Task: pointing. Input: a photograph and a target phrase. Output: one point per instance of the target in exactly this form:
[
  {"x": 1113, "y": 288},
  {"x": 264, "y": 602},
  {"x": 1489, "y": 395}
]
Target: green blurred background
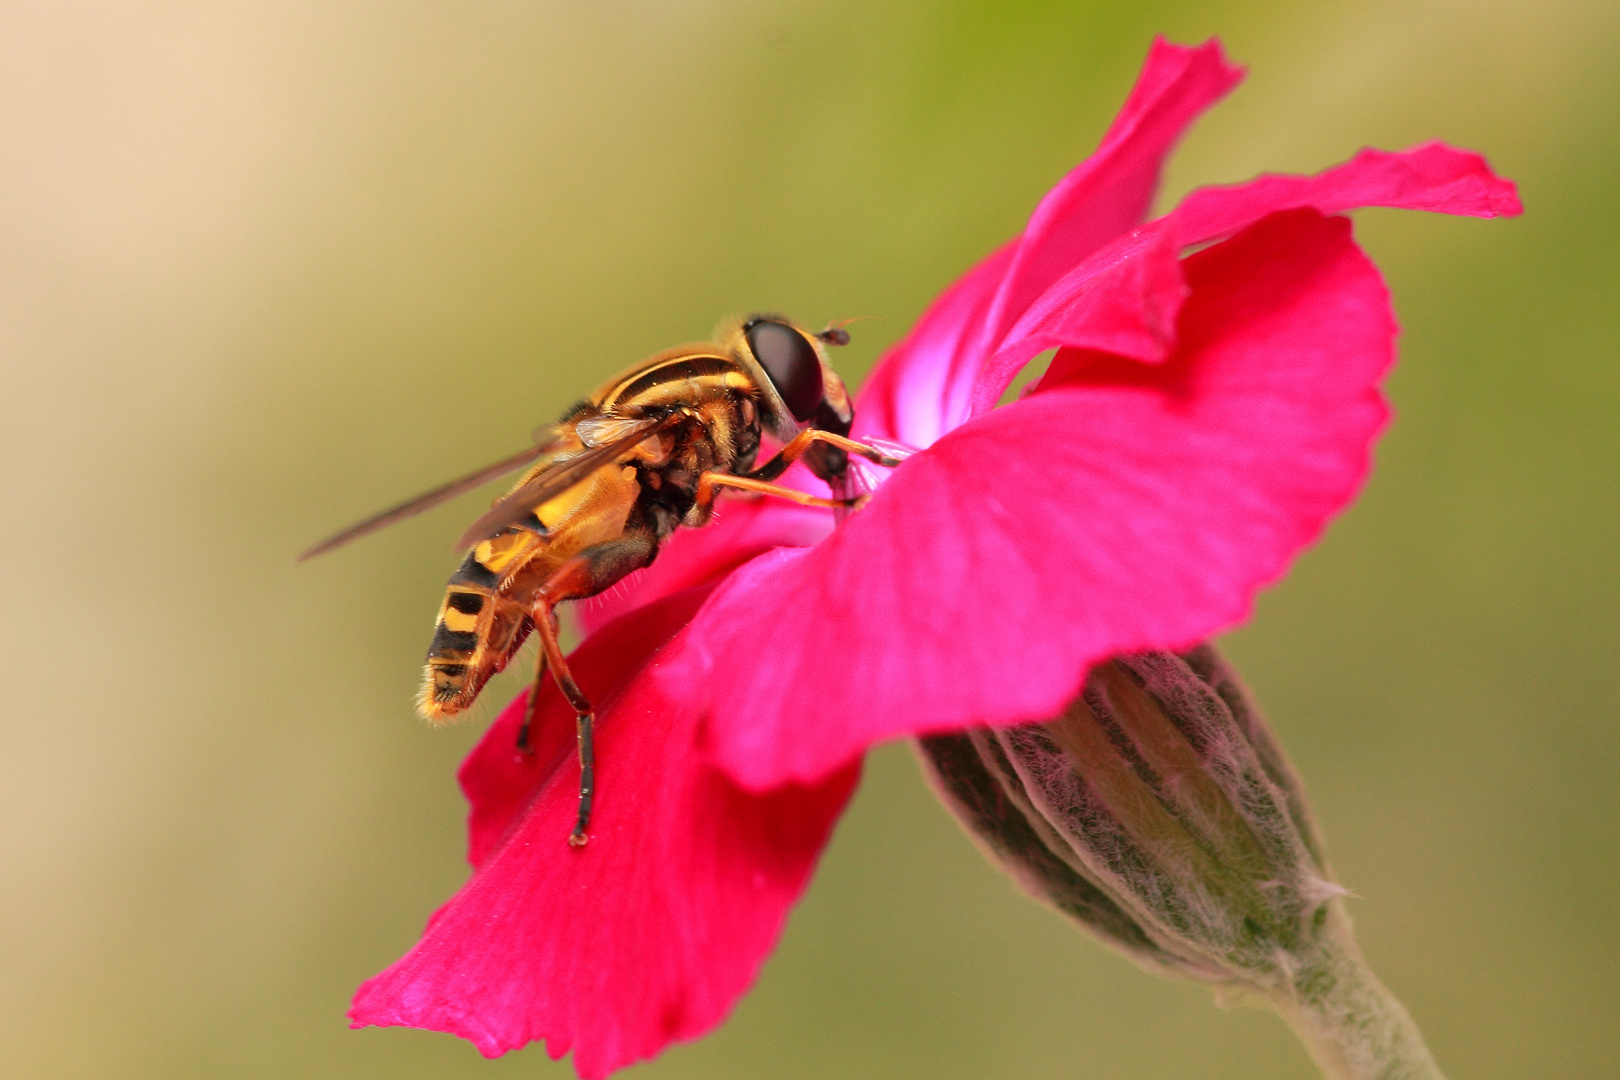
[{"x": 267, "y": 266}]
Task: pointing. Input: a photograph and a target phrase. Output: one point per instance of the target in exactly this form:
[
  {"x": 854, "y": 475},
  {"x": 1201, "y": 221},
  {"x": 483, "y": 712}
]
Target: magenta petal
[
  {"x": 1110, "y": 192},
  {"x": 1433, "y": 176},
  {"x": 691, "y": 557},
  {"x": 651, "y": 932},
  {"x": 1134, "y": 507},
  {"x": 925, "y": 385},
  {"x": 1122, "y": 300}
]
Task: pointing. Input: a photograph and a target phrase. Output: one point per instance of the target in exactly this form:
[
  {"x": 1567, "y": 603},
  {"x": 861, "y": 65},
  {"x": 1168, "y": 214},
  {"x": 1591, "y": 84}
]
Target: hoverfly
[{"x": 646, "y": 453}]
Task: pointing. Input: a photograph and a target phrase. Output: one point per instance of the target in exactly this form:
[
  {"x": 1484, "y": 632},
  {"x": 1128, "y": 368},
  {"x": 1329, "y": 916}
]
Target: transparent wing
[
  {"x": 428, "y": 500},
  {"x": 596, "y": 430},
  {"x": 550, "y": 483}
]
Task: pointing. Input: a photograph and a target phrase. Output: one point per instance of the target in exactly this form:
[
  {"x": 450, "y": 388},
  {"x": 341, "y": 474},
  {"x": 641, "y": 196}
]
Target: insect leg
[
  {"x": 710, "y": 480},
  {"x": 804, "y": 440},
  {"x": 586, "y": 574},
  {"x": 583, "y": 716},
  {"x": 534, "y": 703}
]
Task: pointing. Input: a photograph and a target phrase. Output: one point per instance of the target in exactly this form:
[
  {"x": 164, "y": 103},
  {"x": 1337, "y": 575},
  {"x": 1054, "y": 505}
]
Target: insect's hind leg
[
  {"x": 523, "y": 744},
  {"x": 586, "y": 574}
]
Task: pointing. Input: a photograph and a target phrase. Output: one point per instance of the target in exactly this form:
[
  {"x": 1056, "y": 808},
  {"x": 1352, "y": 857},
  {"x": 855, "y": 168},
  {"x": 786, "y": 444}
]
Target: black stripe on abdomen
[
  {"x": 446, "y": 640},
  {"x": 473, "y": 572}
]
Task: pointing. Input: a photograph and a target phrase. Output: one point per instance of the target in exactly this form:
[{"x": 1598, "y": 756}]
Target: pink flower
[{"x": 1212, "y": 403}]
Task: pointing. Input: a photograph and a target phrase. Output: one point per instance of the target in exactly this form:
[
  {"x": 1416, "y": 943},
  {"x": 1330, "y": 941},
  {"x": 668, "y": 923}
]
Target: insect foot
[
  {"x": 1160, "y": 813},
  {"x": 587, "y": 779}
]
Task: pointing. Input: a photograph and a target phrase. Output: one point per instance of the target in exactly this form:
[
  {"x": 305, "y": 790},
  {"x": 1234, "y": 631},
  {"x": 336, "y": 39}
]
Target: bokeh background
[{"x": 265, "y": 267}]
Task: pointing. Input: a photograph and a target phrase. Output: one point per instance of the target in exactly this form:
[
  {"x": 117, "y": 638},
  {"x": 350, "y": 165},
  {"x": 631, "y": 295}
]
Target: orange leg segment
[
  {"x": 586, "y": 574},
  {"x": 804, "y": 440},
  {"x": 709, "y": 481},
  {"x": 760, "y": 479}
]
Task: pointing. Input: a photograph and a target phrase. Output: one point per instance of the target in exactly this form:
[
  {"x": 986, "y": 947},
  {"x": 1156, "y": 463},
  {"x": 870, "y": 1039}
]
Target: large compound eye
[{"x": 792, "y": 363}]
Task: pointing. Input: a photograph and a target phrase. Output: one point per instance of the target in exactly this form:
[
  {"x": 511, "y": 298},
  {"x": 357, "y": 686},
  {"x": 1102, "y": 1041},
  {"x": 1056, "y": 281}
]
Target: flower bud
[{"x": 1160, "y": 813}]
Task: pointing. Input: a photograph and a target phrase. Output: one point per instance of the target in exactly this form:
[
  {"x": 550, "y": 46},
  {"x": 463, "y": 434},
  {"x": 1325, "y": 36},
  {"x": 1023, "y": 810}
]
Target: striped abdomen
[
  {"x": 478, "y": 628},
  {"x": 485, "y": 614}
]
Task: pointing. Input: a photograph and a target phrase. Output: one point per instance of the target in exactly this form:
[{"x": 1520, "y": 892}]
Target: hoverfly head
[{"x": 794, "y": 362}]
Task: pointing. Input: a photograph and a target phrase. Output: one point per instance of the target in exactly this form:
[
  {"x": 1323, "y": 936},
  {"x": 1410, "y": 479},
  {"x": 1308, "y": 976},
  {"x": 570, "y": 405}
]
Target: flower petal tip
[{"x": 1209, "y": 54}]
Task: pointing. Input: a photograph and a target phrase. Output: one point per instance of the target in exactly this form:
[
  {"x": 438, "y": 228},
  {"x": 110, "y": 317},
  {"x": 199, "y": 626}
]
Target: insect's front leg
[
  {"x": 760, "y": 479},
  {"x": 804, "y": 440},
  {"x": 586, "y": 574},
  {"x": 709, "y": 483}
]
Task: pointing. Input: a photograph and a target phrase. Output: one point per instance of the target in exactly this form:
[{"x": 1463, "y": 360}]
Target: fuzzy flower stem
[
  {"x": 1160, "y": 813},
  {"x": 1350, "y": 1023}
]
